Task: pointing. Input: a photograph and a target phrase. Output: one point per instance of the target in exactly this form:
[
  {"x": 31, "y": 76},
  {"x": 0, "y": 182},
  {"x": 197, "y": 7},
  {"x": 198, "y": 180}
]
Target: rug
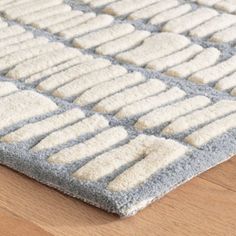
[{"x": 117, "y": 103}]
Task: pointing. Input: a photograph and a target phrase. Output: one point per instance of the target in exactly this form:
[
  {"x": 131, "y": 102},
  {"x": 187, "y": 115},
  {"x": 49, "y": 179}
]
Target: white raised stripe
[
  {"x": 17, "y": 57},
  {"x": 7, "y": 88},
  {"x": 123, "y": 43},
  {"x": 228, "y": 5},
  {"x": 42, "y": 62},
  {"x": 3, "y": 25},
  {"x": 165, "y": 114},
  {"x": 200, "y": 117},
  {"x": 175, "y": 58},
  {"x": 87, "y": 81},
  {"x": 112, "y": 160},
  {"x": 29, "y": 7},
  {"x": 100, "y": 3},
  {"x": 227, "y": 83},
  {"x": 130, "y": 95},
  {"x": 74, "y": 72},
  {"x": 206, "y": 58},
  {"x": 98, "y": 143},
  {"x": 39, "y": 15},
  {"x": 53, "y": 20},
  {"x": 95, "y": 23},
  {"x": 150, "y": 103},
  {"x": 44, "y": 126},
  {"x": 58, "y": 68},
  {"x": 190, "y": 20},
  {"x": 224, "y": 36},
  {"x": 211, "y": 131},
  {"x": 12, "y": 3},
  {"x": 16, "y": 39},
  {"x": 109, "y": 87},
  {"x": 23, "y": 105},
  {"x": 170, "y": 14},
  {"x": 5, "y": 2},
  {"x": 24, "y": 45},
  {"x": 11, "y": 31},
  {"x": 71, "y": 22},
  {"x": 154, "y": 47},
  {"x": 233, "y": 92},
  {"x": 213, "y": 25},
  {"x": 88, "y": 125},
  {"x": 154, "y": 9},
  {"x": 104, "y": 35},
  {"x": 207, "y": 2},
  {"x": 127, "y": 6},
  {"x": 162, "y": 153},
  {"x": 215, "y": 72}
]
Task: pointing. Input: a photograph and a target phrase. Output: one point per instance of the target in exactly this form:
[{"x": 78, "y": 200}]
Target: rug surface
[{"x": 113, "y": 102}]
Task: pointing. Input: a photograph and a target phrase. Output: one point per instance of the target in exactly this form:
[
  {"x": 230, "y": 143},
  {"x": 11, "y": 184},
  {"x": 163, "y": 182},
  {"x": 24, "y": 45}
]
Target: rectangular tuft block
[
  {"x": 190, "y": 20},
  {"x": 98, "y": 143},
  {"x": 48, "y": 12},
  {"x": 72, "y": 73},
  {"x": 102, "y": 36},
  {"x": 162, "y": 153},
  {"x": 170, "y": 14},
  {"x": 227, "y": 5},
  {"x": 23, "y": 45},
  {"x": 127, "y": 6},
  {"x": 56, "y": 20},
  {"x": 216, "y": 72},
  {"x": 175, "y": 58},
  {"x": 150, "y": 103},
  {"x": 16, "y": 39},
  {"x": 58, "y": 68},
  {"x": 42, "y": 62},
  {"x": 88, "y": 125},
  {"x": 5, "y": 2},
  {"x": 207, "y": 2},
  {"x": 111, "y": 161},
  {"x": 130, "y": 95},
  {"x": 78, "y": 18},
  {"x": 153, "y": 9},
  {"x": 44, "y": 126},
  {"x": 123, "y": 43},
  {"x": 11, "y": 31},
  {"x": 20, "y": 56},
  {"x": 95, "y": 23},
  {"x": 7, "y": 88},
  {"x": 12, "y": 4},
  {"x": 26, "y": 104},
  {"x": 213, "y": 130},
  {"x": 154, "y": 47},
  {"x": 168, "y": 113},
  {"x": 213, "y": 25},
  {"x": 200, "y": 117},
  {"x": 224, "y": 36},
  {"x": 206, "y": 58},
  {"x": 3, "y": 25},
  {"x": 87, "y": 81},
  {"x": 107, "y": 88},
  {"x": 227, "y": 82},
  {"x": 29, "y": 7}
]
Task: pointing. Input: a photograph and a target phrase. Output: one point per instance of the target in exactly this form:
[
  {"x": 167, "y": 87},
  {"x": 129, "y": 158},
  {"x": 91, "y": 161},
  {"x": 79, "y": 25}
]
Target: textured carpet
[{"x": 117, "y": 103}]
